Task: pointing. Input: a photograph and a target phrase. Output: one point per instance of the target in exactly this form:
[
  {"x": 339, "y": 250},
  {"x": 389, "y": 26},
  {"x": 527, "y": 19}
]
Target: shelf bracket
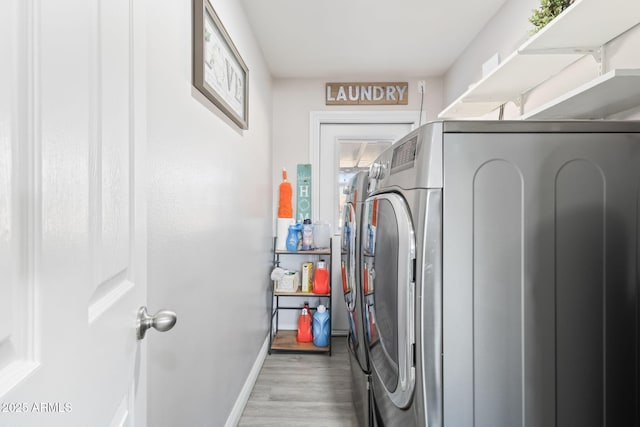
[
  {"x": 520, "y": 101},
  {"x": 599, "y": 56}
]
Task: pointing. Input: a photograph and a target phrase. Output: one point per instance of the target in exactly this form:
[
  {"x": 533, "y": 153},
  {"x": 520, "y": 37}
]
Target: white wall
[
  {"x": 294, "y": 99},
  {"x": 209, "y": 218},
  {"x": 508, "y": 29}
]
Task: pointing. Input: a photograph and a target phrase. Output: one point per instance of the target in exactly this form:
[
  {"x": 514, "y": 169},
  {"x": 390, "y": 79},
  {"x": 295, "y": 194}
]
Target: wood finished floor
[{"x": 303, "y": 390}]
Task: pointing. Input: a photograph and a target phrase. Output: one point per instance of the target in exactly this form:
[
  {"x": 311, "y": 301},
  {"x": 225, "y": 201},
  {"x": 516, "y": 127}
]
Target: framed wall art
[{"x": 219, "y": 72}]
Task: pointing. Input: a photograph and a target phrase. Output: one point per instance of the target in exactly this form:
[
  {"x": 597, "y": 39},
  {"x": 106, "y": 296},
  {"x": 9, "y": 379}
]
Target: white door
[
  {"x": 72, "y": 230},
  {"x": 327, "y": 205}
]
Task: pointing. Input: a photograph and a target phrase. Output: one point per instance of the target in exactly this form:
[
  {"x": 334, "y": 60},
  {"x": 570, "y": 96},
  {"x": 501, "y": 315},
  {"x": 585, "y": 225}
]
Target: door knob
[{"x": 161, "y": 321}]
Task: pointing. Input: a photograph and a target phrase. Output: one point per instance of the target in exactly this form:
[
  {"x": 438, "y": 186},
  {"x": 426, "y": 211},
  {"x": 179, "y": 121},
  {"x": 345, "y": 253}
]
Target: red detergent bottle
[
  {"x": 321, "y": 278},
  {"x": 304, "y": 325}
]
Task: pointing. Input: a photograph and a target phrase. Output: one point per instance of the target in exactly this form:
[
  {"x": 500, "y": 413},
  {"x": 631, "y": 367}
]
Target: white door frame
[{"x": 318, "y": 118}]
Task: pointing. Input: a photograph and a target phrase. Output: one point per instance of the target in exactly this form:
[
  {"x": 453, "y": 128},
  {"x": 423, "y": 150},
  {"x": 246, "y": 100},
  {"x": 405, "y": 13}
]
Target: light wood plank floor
[{"x": 303, "y": 390}]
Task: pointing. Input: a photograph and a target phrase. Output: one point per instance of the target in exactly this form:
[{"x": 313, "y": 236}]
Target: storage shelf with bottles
[{"x": 284, "y": 340}]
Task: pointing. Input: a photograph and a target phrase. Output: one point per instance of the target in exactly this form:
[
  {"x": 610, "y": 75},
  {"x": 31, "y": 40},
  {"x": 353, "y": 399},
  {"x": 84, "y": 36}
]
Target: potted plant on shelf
[{"x": 548, "y": 10}]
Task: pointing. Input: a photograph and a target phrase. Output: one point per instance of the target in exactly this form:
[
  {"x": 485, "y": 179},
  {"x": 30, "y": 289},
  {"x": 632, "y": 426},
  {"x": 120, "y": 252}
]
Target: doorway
[
  {"x": 341, "y": 144},
  {"x": 344, "y": 150},
  {"x": 325, "y": 131}
]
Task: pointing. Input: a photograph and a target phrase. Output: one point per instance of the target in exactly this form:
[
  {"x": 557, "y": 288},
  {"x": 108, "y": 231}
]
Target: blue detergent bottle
[
  {"x": 293, "y": 237},
  {"x": 321, "y": 332}
]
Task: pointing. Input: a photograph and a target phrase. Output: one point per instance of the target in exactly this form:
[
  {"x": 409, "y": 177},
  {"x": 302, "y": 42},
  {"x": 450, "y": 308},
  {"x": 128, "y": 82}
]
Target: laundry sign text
[{"x": 387, "y": 93}]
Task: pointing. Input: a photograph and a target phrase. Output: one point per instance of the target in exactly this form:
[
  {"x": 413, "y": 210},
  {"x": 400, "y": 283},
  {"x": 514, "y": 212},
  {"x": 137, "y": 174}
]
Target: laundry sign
[{"x": 386, "y": 93}]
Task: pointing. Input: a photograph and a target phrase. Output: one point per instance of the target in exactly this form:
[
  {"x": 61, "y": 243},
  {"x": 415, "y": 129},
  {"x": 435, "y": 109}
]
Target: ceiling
[{"x": 365, "y": 38}]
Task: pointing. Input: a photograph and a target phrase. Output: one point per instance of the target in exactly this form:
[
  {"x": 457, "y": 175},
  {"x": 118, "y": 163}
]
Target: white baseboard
[{"x": 243, "y": 397}]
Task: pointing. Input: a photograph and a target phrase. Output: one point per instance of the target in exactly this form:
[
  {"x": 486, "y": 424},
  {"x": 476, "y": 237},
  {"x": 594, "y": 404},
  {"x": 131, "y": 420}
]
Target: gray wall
[{"x": 210, "y": 224}]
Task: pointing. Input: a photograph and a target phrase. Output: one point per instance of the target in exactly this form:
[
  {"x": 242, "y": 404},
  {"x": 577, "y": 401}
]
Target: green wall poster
[{"x": 303, "y": 193}]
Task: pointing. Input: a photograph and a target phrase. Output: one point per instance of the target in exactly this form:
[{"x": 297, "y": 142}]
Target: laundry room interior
[{"x": 337, "y": 213}]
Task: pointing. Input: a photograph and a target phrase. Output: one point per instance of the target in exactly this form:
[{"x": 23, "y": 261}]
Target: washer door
[
  {"x": 348, "y": 255},
  {"x": 348, "y": 270},
  {"x": 388, "y": 266}
]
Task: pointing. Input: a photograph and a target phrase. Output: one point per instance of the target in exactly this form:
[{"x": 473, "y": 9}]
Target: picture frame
[{"x": 219, "y": 72}]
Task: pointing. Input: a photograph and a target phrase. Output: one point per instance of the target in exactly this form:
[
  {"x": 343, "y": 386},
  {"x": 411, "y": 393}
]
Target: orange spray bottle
[{"x": 284, "y": 205}]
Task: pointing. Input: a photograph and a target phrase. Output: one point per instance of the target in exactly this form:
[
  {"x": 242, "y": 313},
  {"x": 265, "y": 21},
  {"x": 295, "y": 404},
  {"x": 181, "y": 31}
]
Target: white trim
[
  {"x": 318, "y": 118},
  {"x": 236, "y": 412}
]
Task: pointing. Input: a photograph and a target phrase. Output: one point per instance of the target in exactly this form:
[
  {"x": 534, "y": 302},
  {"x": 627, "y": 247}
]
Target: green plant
[{"x": 548, "y": 10}]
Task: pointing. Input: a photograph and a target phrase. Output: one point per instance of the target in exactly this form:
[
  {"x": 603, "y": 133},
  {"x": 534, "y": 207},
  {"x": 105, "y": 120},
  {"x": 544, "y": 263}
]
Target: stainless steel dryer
[
  {"x": 356, "y": 192},
  {"x": 501, "y": 260}
]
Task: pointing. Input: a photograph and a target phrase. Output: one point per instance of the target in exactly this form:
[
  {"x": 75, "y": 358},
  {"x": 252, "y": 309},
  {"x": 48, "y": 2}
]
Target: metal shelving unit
[{"x": 283, "y": 340}]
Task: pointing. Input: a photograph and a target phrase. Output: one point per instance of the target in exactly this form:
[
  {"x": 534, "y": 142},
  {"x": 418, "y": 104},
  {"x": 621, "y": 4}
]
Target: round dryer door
[{"x": 388, "y": 258}]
